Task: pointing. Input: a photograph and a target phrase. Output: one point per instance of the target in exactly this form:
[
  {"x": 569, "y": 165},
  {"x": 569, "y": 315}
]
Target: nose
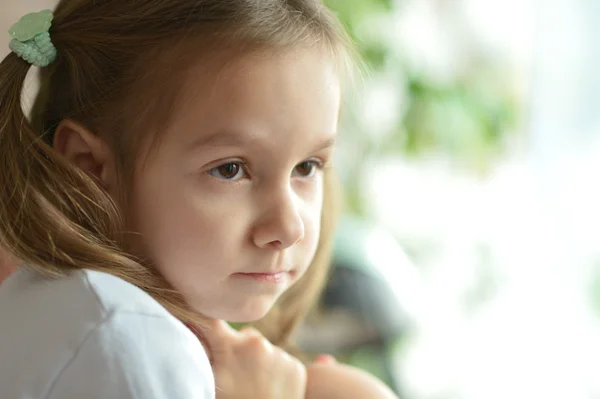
[{"x": 281, "y": 224}]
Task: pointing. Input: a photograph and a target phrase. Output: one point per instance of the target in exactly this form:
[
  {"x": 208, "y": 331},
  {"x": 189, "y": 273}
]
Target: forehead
[{"x": 260, "y": 93}]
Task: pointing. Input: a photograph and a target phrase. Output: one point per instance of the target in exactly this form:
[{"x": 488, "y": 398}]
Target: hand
[
  {"x": 327, "y": 379},
  {"x": 325, "y": 359},
  {"x": 246, "y": 365}
]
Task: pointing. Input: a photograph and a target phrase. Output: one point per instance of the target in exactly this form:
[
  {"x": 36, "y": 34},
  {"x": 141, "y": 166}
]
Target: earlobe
[{"x": 85, "y": 150}]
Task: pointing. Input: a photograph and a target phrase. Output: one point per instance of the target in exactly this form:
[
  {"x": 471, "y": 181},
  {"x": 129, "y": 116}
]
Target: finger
[
  {"x": 253, "y": 339},
  {"x": 249, "y": 331},
  {"x": 217, "y": 331},
  {"x": 325, "y": 359}
]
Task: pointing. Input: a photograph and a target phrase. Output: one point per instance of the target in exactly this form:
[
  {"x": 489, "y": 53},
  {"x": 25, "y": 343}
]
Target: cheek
[
  {"x": 189, "y": 233},
  {"x": 173, "y": 226},
  {"x": 167, "y": 220},
  {"x": 312, "y": 226}
]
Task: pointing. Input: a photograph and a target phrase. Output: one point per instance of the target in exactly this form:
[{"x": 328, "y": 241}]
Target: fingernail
[{"x": 325, "y": 359}]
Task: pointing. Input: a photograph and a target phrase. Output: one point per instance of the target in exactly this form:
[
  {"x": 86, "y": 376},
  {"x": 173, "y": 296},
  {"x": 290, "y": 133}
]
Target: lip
[{"x": 276, "y": 278}]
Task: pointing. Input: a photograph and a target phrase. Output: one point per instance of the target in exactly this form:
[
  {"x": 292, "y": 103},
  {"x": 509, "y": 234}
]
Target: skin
[{"x": 337, "y": 381}]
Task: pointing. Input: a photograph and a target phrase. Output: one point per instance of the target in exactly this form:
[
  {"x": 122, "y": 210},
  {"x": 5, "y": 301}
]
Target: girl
[{"x": 174, "y": 173}]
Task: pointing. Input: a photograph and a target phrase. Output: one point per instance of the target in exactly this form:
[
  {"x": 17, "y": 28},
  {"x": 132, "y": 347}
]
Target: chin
[{"x": 249, "y": 312}]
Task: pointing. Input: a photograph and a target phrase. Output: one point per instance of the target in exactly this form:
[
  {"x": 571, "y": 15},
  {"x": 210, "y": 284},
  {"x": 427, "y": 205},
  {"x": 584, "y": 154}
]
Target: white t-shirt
[{"x": 92, "y": 335}]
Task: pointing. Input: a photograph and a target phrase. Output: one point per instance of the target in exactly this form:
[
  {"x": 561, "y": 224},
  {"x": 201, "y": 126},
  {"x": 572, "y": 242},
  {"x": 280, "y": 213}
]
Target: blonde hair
[{"x": 53, "y": 216}]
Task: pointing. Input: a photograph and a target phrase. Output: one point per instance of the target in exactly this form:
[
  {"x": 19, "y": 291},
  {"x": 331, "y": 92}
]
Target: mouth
[{"x": 275, "y": 278}]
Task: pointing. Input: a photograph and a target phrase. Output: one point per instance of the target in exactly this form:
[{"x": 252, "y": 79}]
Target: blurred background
[{"x": 467, "y": 263}]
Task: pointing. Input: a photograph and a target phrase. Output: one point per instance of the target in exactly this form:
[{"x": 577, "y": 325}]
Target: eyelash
[{"x": 243, "y": 167}]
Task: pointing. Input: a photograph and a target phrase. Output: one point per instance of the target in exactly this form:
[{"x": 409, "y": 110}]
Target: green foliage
[{"x": 468, "y": 118}]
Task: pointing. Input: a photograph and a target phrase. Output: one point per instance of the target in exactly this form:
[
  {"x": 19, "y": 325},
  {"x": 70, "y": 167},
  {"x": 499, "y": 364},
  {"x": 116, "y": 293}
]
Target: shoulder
[
  {"x": 115, "y": 294},
  {"x": 93, "y": 332},
  {"x": 82, "y": 293},
  {"x": 133, "y": 355}
]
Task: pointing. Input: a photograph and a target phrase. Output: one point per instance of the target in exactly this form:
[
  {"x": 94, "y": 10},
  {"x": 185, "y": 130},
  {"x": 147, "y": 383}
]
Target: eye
[
  {"x": 228, "y": 171},
  {"x": 307, "y": 168}
]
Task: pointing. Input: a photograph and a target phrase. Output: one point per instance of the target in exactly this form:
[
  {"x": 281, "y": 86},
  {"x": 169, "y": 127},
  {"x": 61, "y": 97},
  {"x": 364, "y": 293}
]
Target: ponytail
[
  {"x": 36, "y": 214},
  {"x": 53, "y": 217}
]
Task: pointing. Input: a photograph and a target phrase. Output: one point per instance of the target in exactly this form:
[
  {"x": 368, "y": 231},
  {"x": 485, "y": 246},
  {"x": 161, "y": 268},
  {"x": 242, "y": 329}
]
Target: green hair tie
[{"x": 31, "y": 39}]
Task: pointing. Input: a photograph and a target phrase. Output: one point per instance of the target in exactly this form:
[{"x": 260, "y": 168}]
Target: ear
[{"x": 85, "y": 150}]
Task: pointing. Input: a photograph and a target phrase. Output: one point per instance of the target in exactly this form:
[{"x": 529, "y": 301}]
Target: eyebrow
[
  {"x": 324, "y": 144},
  {"x": 234, "y": 139}
]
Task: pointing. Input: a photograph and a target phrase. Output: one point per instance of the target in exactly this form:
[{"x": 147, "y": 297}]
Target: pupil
[
  {"x": 305, "y": 168},
  {"x": 230, "y": 170}
]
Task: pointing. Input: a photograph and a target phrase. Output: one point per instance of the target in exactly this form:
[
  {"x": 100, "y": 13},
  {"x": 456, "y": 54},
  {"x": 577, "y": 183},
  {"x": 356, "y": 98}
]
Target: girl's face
[{"x": 229, "y": 206}]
